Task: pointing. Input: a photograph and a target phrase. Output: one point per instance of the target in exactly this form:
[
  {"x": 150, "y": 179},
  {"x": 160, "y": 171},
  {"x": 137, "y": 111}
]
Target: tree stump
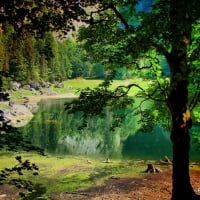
[
  {"x": 152, "y": 169},
  {"x": 107, "y": 161}
]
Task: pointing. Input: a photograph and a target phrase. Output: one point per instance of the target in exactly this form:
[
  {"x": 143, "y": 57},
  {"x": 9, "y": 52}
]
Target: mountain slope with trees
[{"x": 28, "y": 59}]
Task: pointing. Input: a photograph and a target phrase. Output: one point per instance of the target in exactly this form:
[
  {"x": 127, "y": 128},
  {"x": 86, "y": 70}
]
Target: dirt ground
[{"x": 148, "y": 187}]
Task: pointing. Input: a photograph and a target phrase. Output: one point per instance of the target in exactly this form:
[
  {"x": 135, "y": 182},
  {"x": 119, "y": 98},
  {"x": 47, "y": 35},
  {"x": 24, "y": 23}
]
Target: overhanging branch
[
  {"x": 119, "y": 16},
  {"x": 118, "y": 93}
]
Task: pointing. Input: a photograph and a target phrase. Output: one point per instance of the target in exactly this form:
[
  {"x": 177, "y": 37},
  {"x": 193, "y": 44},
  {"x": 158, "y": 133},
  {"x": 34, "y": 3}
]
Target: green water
[{"x": 59, "y": 133}]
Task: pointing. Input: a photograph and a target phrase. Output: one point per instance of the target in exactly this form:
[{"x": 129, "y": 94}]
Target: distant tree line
[{"x": 48, "y": 58}]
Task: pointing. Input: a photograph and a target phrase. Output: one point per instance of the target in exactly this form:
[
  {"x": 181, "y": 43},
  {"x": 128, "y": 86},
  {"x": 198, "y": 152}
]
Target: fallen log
[{"x": 165, "y": 161}]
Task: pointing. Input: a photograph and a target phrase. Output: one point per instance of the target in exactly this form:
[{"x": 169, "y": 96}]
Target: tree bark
[
  {"x": 181, "y": 179},
  {"x": 180, "y": 30},
  {"x": 181, "y": 123}
]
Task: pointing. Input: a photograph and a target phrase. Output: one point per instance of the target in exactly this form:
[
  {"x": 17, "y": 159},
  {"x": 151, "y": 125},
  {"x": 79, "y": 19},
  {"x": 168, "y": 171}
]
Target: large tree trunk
[
  {"x": 181, "y": 123},
  {"x": 181, "y": 179},
  {"x": 180, "y": 30},
  {"x": 180, "y": 138}
]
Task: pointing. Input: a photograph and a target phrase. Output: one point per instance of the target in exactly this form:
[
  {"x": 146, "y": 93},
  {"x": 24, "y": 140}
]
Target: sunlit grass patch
[
  {"x": 4, "y": 105},
  {"x": 7, "y": 159},
  {"x": 72, "y": 86},
  {"x": 19, "y": 94},
  {"x": 69, "y": 173},
  {"x": 70, "y": 182}
]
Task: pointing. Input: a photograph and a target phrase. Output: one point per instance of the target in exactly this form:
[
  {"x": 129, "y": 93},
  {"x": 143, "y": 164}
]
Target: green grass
[
  {"x": 70, "y": 173},
  {"x": 4, "y": 106},
  {"x": 19, "y": 94},
  {"x": 71, "y": 86}
]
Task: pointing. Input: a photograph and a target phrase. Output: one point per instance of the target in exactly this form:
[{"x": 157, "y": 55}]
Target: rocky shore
[{"x": 19, "y": 114}]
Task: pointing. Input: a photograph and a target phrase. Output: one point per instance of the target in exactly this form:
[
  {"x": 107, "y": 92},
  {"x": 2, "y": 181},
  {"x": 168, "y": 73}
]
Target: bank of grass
[
  {"x": 69, "y": 173},
  {"x": 73, "y": 85}
]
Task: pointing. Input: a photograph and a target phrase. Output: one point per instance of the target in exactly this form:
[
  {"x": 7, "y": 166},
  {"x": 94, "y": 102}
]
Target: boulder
[
  {"x": 19, "y": 115},
  {"x": 35, "y": 86},
  {"x": 49, "y": 92},
  {"x": 59, "y": 85},
  {"x": 26, "y": 87},
  {"x": 15, "y": 85},
  {"x": 33, "y": 107},
  {"x": 45, "y": 84}
]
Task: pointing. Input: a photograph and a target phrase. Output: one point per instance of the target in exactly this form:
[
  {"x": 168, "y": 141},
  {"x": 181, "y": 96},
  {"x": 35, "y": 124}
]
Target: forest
[
  {"x": 49, "y": 59},
  {"x": 155, "y": 41}
]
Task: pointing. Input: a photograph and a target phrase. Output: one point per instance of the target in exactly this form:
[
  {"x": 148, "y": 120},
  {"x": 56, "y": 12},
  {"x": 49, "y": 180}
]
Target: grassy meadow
[
  {"x": 69, "y": 173},
  {"x": 73, "y": 85}
]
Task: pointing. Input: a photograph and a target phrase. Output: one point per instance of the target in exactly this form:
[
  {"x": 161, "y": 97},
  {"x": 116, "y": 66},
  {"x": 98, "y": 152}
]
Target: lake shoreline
[
  {"x": 20, "y": 113},
  {"x": 38, "y": 98}
]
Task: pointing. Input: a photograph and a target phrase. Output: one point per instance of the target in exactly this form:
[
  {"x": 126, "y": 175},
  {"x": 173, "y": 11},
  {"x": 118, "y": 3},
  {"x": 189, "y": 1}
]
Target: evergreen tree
[
  {"x": 64, "y": 58},
  {"x": 29, "y": 54},
  {"x": 41, "y": 61}
]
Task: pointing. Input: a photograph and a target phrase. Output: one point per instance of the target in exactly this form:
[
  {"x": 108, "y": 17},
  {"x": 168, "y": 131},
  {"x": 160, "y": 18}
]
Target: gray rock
[
  {"x": 15, "y": 85},
  {"x": 59, "y": 85},
  {"x": 19, "y": 115},
  {"x": 49, "y": 93}
]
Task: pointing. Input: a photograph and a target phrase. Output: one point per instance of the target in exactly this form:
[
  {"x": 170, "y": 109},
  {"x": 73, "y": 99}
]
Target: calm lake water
[{"x": 59, "y": 133}]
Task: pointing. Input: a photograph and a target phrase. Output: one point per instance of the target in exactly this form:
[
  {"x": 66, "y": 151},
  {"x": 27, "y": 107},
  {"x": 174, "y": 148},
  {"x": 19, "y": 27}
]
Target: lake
[{"x": 58, "y": 132}]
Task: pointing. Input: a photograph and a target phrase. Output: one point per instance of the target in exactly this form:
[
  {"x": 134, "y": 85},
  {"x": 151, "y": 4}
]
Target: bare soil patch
[{"x": 147, "y": 187}]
